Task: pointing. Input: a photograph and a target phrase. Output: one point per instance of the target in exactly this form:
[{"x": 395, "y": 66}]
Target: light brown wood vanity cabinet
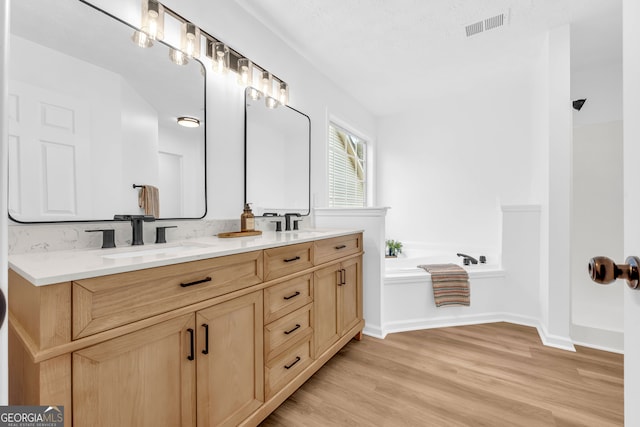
[{"x": 216, "y": 342}]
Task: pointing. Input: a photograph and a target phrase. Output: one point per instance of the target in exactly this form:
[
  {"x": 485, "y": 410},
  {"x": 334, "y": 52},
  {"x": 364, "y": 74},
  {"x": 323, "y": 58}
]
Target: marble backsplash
[{"x": 25, "y": 238}]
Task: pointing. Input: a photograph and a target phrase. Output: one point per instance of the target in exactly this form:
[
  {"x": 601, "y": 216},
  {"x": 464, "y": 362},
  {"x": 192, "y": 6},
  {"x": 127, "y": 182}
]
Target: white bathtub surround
[
  {"x": 506, "y": 289},
  {"x": 408, "y": 293},
  {"x": 372, "y": 221}
]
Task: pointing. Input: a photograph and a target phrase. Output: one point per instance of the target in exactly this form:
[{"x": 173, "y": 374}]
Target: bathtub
[{"x": 408, "y": 295}]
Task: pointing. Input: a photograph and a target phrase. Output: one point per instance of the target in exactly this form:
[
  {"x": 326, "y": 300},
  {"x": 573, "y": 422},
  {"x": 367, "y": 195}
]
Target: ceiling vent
[{"x": 487, "y": 24}]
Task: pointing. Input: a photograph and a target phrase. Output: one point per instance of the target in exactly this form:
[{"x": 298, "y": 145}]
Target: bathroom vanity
[{"x": 213, "y": 332}]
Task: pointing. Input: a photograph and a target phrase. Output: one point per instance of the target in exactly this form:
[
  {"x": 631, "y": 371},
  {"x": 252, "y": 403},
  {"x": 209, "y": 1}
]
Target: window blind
[{"x": 347, "y": 173}]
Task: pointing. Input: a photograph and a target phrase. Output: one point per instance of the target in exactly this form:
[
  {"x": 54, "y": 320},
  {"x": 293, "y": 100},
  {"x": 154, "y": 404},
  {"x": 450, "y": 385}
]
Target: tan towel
[
  {"x": 149, "y": 200},
  {"x": 450, "y": 284}
]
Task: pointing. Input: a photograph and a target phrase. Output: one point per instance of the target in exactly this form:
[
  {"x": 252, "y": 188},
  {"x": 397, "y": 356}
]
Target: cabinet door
[
  {"x": 325, "y": 308},
  {"x": 349, "y": 300},
  {"x": 140, "y": 379},
  {"x": 230, "y": 379}
]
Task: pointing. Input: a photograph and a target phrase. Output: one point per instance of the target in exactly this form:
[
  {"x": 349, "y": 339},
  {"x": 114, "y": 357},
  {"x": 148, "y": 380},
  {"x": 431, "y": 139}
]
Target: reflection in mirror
[
  {"x": 91, "y": 114},
  {"x": 277, "y": 153}
]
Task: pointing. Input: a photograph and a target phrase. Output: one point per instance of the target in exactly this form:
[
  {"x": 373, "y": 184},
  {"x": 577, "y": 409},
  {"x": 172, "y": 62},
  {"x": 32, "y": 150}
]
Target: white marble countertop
[{"x": 46, "y": 268}]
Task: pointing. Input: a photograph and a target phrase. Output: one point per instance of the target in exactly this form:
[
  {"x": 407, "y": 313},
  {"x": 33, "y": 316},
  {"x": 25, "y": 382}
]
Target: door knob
[{"x": 604, "y": 271}]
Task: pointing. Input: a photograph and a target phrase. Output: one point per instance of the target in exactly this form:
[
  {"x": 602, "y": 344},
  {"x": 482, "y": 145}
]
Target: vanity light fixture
[
  {"x": 141, "y": 39},
  {"x": 223, "y": 58},
  {"x": 266, "y": 83},
  {"x": 283, "y": 96},
  {"x": 219, "y": 54},
  {"x": 271, "y": 102},
  {"x": 188, "y": 122},
  {"x": 190, "y": 40},
  {"x": 178, "y": 57},
  {"x": 245, "y": 72},
  {"x": 255, "y": 94},
  {"x": 153, "y": 19}
]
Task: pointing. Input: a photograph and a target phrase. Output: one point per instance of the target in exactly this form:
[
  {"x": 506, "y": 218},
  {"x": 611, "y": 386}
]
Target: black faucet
[
  {"x": 287, "y": 220},
  {"x": 136, "y": 226},
  {"x": 466, "y": 259}
]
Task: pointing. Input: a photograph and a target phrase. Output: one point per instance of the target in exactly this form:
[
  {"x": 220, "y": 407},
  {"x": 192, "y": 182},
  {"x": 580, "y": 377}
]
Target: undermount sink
[{"x": 167, "y": 250}]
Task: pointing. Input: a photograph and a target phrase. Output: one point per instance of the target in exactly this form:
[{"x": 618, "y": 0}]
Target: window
[{"x": 347, "y": 169}]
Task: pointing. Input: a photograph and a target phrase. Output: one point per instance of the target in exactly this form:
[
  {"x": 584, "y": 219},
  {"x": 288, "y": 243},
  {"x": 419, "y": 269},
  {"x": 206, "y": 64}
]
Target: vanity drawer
[
  {"x": 285, "y": 297},
  {"x": 330, "y": 249},
  {"x": 279, "y": 262},
  {"x": 281, "y": 370},
  {"x": 103, "y": 303},
  {"x": 283, "y": 332}
]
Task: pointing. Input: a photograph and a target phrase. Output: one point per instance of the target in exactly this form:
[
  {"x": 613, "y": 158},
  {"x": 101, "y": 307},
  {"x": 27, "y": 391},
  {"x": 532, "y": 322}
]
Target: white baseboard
[
  {"x": 373, "y": 331},
  {"x": 563, "y": 343},
  {"x": 600, "y": 339}
]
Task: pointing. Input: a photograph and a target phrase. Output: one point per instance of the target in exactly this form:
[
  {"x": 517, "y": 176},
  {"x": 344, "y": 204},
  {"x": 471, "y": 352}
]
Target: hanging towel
[
  {"x": 149, "y": 200},
  {"x": 450, "y": 284}
]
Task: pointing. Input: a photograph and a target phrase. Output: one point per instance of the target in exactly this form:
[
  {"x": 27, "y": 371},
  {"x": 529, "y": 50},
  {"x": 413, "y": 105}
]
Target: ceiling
[{"x": 389, "y": 55}]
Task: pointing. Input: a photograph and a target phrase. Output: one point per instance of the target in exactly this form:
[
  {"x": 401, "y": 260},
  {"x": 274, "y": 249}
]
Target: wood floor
[{"x": 483, "y": 375}]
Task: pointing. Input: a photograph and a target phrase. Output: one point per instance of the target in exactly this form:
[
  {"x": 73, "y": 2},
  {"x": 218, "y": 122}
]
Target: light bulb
[
  {"x": 266, "y": 83},
  {"x": 245, "y": 72},
  {"x": 219, "y": 54},
  {"x": 178, "y": 57},
  {"x": 283, "y": 95},
  {"x": 271, "y": 102},
  {"x": 153, "y": 19},
  {"x": 190, "y": 40}
]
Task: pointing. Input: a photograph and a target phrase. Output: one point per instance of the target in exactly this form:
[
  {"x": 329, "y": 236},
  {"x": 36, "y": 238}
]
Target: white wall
[
  {"x": 446, "y": 169},
  {"x": 597, "y": 213},
  {"x": 555, "y": 285},
  {"x": 310, "y": 92}
]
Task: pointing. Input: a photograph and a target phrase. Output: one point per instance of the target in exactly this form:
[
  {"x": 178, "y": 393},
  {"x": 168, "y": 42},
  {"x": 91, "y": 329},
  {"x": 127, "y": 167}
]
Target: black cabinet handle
[
  {"x": 206, "y": 338},
  {"x": 340, "y": 247},
  {"x": 292, "y": 363},
  {"x": 344, "y": 276},
  {"x": 339, "y": 277},
  {"x": 184, "y": 285},
  {"x": 296, "y": 327},
  {"x": 292, "y": 259},
  {"x": 191, "y": 355},
  {"x": 293, "y": 296}
]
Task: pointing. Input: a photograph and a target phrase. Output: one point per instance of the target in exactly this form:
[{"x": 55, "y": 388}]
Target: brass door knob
[{"x": 604, "y": 271}]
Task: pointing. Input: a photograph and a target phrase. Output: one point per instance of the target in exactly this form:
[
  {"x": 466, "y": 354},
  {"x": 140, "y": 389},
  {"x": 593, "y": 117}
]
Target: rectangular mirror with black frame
[
  {"x": 277, "y": 157},
  {"x": 91, "y": 114}
]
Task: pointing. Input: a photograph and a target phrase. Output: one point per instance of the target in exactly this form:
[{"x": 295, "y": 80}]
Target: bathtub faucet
[{"x": 466, "y": 259}]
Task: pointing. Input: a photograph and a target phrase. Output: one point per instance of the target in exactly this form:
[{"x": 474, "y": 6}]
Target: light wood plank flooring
[{"x": 496, "y": 374}]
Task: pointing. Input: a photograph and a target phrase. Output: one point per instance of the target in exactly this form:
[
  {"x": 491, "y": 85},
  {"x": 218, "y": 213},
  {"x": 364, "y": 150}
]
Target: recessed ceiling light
[{"x": 188, "y": 122}]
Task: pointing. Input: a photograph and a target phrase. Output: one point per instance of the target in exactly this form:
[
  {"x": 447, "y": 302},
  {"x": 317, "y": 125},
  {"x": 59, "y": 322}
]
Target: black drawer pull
[
  {"x": 293, "y": 296},
  {"x": 340, "y": 247},
  {"x": 206, "y": 338},
  {"x": 191, "y": 355},
  {"x": 207, "y": 279},
  {"x": 292, "y": 259},
  {"x": 292, "y": 363},
  {"x": 288, "y": 332}
]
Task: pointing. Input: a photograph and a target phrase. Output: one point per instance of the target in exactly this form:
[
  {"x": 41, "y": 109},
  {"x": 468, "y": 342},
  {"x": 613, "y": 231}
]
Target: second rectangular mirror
[{"x": 277, "y": 157}]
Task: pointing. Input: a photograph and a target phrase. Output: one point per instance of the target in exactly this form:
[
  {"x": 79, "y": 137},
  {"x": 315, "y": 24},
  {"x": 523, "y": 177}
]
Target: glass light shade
[
  {"x": 283, "y": 95},
  {"x": 219, "y": 54},
  {"x": 141, "y": 39},
  {"x": 271, "y": 102},
  {"x": 255, "y": 94},
  {"x": 266, "y": 83},
  {"x": 190, "y": 40},
  {"x": 245, "y": 72},
  {"x": 153, "y": 19},
  {"x": 178, "y": 57}
]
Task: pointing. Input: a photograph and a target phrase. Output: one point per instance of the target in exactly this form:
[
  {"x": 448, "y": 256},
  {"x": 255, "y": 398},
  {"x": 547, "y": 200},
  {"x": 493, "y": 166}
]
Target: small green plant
[{"x": 393, "y": 247}]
